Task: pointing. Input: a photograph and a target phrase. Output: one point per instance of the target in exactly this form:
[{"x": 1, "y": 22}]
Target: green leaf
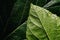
[
  {"x": 19, "y": 12},
  {"x": 18, "y": 34},
  {"x": 43, "y": 24},
  {"x": 17, "y": 16},
  {"x": 15, "y": 12}
]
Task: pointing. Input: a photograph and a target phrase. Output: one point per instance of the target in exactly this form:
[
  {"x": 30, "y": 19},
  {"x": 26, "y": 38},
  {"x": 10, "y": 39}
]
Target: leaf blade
[{"x": 48, "y": 22}]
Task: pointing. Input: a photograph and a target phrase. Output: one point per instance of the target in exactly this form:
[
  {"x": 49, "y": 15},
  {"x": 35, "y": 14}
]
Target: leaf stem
[{"x": 49, "y": 4}]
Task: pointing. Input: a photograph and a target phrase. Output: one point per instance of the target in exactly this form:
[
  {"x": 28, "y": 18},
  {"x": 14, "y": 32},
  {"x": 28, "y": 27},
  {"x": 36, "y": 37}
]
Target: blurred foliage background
[{"x": 15, "y": 12}]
